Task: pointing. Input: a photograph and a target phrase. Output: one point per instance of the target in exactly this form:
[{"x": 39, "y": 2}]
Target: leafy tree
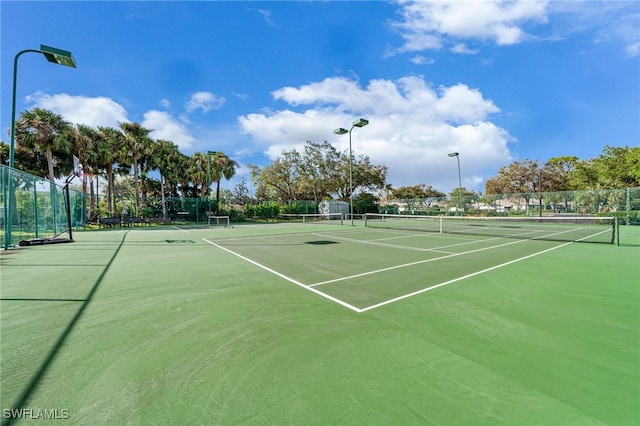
[
  {"x": 557, "y": 173},
  {"x": 367, "y": 176},
  {"x": 365, "y": 202},
  {"x": 279, "y": 179},
  {"x": 4, "y": 153},
  {"x": 240, "y": 193},
  {"x": 616, "y": 167},
  {"x": 417, "y": 191},
  {"x": 321, "y": 172},
  {"x": 519, "y": 177}
]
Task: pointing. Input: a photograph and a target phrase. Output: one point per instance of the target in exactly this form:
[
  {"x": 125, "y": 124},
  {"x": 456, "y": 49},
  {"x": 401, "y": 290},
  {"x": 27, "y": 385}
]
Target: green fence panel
[{"x": 34, "y": 207}]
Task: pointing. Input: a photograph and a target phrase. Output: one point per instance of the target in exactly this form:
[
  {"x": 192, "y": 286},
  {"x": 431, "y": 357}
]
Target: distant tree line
[
  {"x": 45, "y": 145},
  {"x": 616, "y": 167},
  {"x": 125, "y": 156}
]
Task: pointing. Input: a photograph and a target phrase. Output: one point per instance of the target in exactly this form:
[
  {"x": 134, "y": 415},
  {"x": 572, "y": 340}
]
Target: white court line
[
  {"x": 418, "y": 262},
  {"x": 298, "y": 283},
  {"x": 435, "y": 258},
  {"x": 415, "y": 293},
  {"x": 375, "y": 243},
  {"x": 396, "y": 299},
  {"x": 180, "y": 229}
]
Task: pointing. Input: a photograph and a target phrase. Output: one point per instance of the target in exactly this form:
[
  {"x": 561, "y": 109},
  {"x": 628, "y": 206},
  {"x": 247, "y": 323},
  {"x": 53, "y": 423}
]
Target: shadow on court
[{"x": 22, "y": 401}]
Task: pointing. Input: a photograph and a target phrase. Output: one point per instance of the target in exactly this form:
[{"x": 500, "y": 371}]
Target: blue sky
[{"x": 496, "y": 81}]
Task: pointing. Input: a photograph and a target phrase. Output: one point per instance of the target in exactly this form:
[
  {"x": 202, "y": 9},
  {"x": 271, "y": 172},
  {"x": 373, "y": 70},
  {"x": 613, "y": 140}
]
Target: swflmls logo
[{"x": 35, "y": 413}]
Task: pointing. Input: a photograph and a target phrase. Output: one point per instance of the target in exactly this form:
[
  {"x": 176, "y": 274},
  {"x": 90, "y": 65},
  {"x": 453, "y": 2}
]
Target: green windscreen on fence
[{"x": 34, "y": 207}]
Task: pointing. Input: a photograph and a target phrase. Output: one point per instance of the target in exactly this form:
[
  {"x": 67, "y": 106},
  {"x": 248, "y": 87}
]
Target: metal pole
[
  {"x": 540, "y": 192},
  {"x": 9, "y": 195},
  {"x": 341, "y": 131},
  {"x": 627, "y": 216},
  {"x": 459, "y": 182},
  {"x": 209, "y": 181},
  {"x": 13, "y": 105},
  {"x": 350, "y": 179}
]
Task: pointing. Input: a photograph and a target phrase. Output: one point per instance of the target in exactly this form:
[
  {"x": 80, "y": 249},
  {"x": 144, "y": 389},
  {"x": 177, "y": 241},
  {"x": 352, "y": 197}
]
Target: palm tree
[
  {"x": 182, "y": 175},
  {"x": 221, "y": 167},
  {"x": 82, "y": 137},
  {"x": 164, "y": 158},
  {"x": 41, "y": 130},
  {"x": 198, "y": 172},
  {"x": 108, "y": 156},
  {"x": 137, "y": 146}
]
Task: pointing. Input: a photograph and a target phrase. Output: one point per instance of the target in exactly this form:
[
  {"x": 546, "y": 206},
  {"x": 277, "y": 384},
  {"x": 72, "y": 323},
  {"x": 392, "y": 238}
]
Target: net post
[
  {"x": 616, "y": 230},
  {"x": 441, "y": 225}
]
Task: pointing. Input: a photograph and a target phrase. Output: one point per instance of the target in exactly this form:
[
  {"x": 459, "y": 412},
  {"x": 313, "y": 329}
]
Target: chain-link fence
[
  {"x": 623, "y": 203},
  {"x": 34, "y": 207}
]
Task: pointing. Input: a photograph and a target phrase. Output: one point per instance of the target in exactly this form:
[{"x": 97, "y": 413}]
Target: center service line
[{"x": 415, "y": 293}]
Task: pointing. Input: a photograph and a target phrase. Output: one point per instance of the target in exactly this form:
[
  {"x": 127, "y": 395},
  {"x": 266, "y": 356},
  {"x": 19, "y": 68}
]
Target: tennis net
[
  {"x": 555, "y": 228},
  {"x": 328, "y": 218}
]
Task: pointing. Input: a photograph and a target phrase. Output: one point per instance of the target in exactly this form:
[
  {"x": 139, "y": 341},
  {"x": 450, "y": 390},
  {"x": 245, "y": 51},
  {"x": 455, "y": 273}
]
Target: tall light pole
[
  {"x": 341, "y": 131},
  {"x": 56, "y": 56},
  {"x": 457, "y": 155},
  {"x": 209, "y": 154}
]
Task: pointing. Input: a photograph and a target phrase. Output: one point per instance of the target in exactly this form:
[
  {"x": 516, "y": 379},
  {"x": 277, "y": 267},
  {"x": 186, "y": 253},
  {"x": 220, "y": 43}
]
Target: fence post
[
  {"x": 628, "y": 212},
  {"x": 35, "y": 207}
]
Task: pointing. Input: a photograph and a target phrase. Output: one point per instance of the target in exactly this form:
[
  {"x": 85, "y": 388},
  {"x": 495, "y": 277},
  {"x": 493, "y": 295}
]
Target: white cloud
[
  {"x": 633, "y": 49},
  {"x": 204, "y": 101},
  {"x": 432, "y": 24},
  {"x": 266, "y": 14},
  {"x": 464, "y": 49},
  {"x": 412, "y": 127},
  {"x": 164, "y": 103},
  {"x": 164, "y": 126},
  {"x": 422, "y": 60},
  {"x": 241, "y": 96},
  {"x": 98, "y": 111}
]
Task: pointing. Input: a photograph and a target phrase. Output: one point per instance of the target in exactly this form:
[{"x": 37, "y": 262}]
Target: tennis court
[{"x": 305, "y": 323}]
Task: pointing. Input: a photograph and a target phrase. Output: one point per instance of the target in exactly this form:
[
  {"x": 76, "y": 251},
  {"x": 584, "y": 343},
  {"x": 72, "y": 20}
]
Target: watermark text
[{"x": 36, "y": 413}]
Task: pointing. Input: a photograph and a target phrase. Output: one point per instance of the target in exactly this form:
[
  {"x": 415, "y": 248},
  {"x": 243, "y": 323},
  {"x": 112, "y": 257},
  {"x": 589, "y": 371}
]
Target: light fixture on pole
[
  {"x": 361, "y": 122},
  {"x": 457, "y": 155},
  {"x": 52, "y": 54}
]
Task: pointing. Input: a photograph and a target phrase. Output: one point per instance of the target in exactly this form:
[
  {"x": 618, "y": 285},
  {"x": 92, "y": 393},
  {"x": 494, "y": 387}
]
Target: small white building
[{"x": 326, "y": 207}]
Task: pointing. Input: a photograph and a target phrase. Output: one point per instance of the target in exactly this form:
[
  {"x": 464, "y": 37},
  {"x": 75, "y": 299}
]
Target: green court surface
[{"x": 308, "y": 324}]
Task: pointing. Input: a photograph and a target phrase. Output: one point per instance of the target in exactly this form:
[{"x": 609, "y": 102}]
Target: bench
[
  {"x": 128, "y": 221},
  {"x": 109, "y": 221}
]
